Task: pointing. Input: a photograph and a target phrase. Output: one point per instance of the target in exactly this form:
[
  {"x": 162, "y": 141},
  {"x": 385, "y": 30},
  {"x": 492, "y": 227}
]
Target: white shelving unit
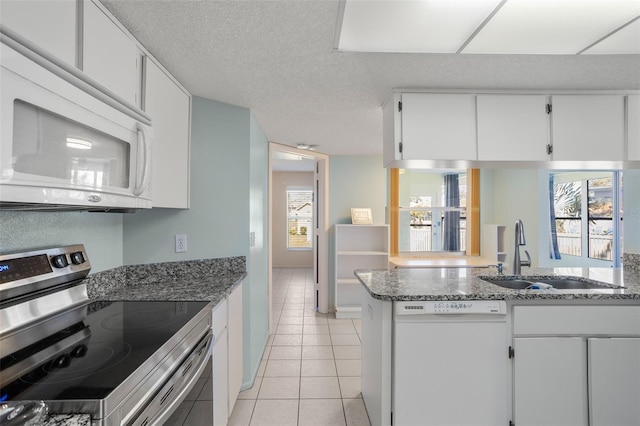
[
  {"x": 357, "y": 247},
  {"x": 493, "y": 242}
]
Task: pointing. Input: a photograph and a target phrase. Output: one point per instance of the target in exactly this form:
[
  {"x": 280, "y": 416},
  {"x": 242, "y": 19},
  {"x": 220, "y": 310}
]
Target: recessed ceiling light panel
[
  {"x": 626, "y": 41},
  {"x": 434, "y": 26},
  {"x": 551, "y": 26}
]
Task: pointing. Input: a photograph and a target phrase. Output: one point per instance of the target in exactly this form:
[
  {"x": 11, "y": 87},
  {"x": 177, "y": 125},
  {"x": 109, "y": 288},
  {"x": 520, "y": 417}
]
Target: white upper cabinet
[
  {"x": 512, "y": 128},
  {"x": 50, "y": 25},
  {"x": 438, "y": 126},
  {"x": 169, "y": 107},
  {"x": 633, "y": 127},
  {"x": 588, "y": 127},
  {"x": 110, "y": 56}
]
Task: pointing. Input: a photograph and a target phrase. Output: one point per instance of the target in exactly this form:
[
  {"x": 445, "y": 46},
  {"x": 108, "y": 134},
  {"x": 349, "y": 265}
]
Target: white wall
[{"x": 281, "y": 257}]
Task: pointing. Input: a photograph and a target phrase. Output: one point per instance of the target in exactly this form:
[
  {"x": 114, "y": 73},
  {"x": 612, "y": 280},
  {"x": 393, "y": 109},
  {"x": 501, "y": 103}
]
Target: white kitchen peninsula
[{"x": 477, "y": 353}]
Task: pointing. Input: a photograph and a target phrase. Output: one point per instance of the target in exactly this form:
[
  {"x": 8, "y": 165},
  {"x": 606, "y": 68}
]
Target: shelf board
[{"x": 361, "y": 253}]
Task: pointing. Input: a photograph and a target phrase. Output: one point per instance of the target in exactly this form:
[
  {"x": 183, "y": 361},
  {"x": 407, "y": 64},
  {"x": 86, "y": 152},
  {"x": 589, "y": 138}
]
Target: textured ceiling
[{"x": 278, "y": 59}]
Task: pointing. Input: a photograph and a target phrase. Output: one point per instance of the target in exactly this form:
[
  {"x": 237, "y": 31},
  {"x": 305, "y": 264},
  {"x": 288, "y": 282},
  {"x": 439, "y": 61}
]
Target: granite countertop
[
  {"x": 201, "y": 280},
  {"x": 465, "y": 284},
  {"x": 68, "y": 420}
]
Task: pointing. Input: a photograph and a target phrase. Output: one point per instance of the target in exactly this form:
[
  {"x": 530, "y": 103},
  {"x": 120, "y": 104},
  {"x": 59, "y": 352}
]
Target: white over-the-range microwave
[{"x": 65, "y": 142}]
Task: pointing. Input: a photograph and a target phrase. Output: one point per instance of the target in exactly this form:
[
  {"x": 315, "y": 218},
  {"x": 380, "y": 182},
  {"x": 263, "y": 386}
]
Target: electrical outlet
[{"x": 181, "y": 243}]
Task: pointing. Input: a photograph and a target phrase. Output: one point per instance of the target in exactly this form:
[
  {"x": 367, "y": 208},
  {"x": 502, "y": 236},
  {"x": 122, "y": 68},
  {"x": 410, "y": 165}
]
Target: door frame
[{"x": 321, "y": 231}]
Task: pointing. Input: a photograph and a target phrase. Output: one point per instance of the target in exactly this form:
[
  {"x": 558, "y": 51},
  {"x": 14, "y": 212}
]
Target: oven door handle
[{"x": 186, "y": 376}]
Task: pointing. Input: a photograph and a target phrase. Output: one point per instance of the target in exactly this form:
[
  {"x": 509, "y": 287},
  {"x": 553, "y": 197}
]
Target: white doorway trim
[{"x": 321, "y": 232}]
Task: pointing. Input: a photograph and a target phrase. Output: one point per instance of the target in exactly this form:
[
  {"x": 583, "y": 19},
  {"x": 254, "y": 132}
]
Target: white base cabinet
[
  {"x": 614, "y": 381},
  {"x": 235, "y": 345},
  {"x": 220, "y": 365},
  {"x": 550, "y": 384},
  {"x": 227, "y": 355},
  {"x": 577, "y": 365}
]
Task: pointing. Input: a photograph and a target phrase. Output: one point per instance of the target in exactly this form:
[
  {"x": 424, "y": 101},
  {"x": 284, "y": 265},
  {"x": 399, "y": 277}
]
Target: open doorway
[{"x": 298, "y": 209}]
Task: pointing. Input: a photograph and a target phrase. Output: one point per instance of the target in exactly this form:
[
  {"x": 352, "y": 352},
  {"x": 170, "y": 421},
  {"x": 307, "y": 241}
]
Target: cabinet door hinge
[
  {"x": 512, "y": 352},
  {"x": 400, "y": 147},
  {"x": 548, "y": 108},
  {"x": 549, "y": 149},
  {"x": 400, "y": 106}
]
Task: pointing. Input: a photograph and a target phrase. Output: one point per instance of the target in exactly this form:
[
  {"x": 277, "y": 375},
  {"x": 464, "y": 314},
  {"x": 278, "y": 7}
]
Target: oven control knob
[
  {"x": 79, "y": 351},
  {"x": 77, "y": 258},
  {"x": 59, "y": 261},
  {"x": 62, "y": 361}
]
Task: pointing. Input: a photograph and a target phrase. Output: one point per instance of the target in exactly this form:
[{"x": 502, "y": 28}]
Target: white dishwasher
[{"x": 450, "y": 363}]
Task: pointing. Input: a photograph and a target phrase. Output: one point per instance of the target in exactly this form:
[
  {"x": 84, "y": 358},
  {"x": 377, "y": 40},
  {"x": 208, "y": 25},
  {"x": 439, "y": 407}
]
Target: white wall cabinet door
[
  {"x": 110, "y": 56},
  {"x": 234, "y": 324},
  {"x": 169, "y": 107},
  {"x": 438, "y": 126},
  {"x": 50, "y": 25},
  {"x": 588, "y": 127},
  {"x": 550, "y": 384},
  {"x": 614, "y": 381},
  {"x": 512, "y": 128},
  {"x": 633, "y": 127}
]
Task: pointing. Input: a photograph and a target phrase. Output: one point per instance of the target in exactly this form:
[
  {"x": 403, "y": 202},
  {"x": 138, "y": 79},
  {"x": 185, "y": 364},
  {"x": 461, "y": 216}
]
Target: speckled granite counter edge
[
  {"x": 68, "y": 420},
  {"x": 101, "y": 284},
  {"x": 631, "y": 261},
  {"x": 430, "y": 284}
]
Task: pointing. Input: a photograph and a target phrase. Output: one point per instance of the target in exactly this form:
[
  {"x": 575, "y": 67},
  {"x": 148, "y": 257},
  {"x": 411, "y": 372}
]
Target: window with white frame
[
  {"x": 299, "y": 219},
  {"x": 586, "y": 215}
]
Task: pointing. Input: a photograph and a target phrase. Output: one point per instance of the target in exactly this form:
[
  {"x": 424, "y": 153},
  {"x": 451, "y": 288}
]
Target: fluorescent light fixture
[
  {"x": 434, "y": 26},
  {"x": 77, "y": 143},
  {"x": 565, "y": 27}
]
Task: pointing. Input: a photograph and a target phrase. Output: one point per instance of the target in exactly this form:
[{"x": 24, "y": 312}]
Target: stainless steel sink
[{"x": 521, "y": 283}]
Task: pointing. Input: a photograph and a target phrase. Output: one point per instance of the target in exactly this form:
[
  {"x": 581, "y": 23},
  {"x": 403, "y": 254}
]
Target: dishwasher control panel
[{"x": 455, "y": 307}]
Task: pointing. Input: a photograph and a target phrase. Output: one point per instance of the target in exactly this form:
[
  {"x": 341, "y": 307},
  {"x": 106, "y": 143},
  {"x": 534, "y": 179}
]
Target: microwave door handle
[{"x": 142, "y": 177}]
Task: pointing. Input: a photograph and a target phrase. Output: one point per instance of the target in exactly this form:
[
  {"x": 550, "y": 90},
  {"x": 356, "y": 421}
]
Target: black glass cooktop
[{"x": 88, "y": 359}]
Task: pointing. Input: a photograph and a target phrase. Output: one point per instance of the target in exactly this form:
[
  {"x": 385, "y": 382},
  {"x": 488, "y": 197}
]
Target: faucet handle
[{"x": 528, "y": 261}]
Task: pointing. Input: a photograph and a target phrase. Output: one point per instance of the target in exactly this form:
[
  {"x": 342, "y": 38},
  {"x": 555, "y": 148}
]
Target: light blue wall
[
  {"x": 101, "y": 233},
  {"x": 229, "y": 175},
  {"x": 631, "y": 211},
  {"x": 217, "y": 224},
  {"x": 256, "y": 297},
  {"x": 354, "y": 181}
]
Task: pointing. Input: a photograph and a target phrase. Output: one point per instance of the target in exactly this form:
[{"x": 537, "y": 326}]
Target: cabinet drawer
[
  {"x": 576, "y": 320},
  {"x": 219, "y": 318}
]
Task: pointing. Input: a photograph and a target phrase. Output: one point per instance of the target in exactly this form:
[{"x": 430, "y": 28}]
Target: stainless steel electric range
[{"x": 124, "y": 363}]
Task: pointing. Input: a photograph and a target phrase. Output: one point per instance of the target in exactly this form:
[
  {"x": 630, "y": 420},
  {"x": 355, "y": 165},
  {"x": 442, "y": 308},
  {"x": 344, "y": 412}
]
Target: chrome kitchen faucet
[{"x": 520, "y": 240}]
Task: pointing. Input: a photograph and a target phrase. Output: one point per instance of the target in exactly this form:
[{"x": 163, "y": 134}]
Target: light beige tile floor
[{"x": 309, "y": 374}]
